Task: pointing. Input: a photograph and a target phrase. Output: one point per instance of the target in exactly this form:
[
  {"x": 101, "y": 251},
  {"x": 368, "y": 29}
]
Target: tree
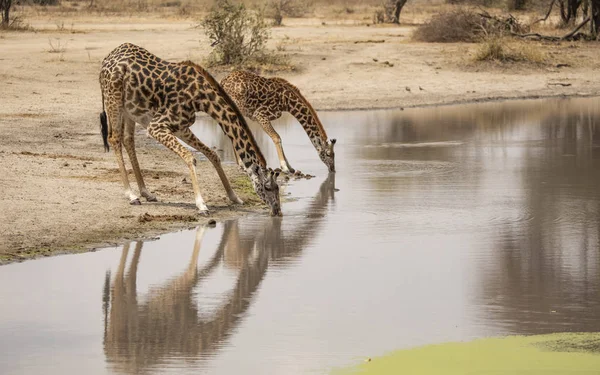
[
  {"x": 397, "y": 10},
  {"x": 518, "y": 4},
  {"x": 569, "y": 10},
  {"x": 5, "y": 10},
  {"x": 595, "y": 16},
  {"x": 294, "y": 8}
]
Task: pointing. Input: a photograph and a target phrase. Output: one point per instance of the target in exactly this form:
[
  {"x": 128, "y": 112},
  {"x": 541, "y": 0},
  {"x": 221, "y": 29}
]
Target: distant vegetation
[
  {"x": 239, "y": 36},
  {"x": 460, "y": 25},
  {"x": 236, "y": 32},
  {"x": 5, "y": 6},
  {"x": 503, "y": 50},
  {"x": 582, "y": 17},
  {"x": 290, "y": 8}
]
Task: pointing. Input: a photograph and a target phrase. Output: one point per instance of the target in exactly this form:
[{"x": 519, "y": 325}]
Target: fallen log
[{"x": 568, "y": 36}]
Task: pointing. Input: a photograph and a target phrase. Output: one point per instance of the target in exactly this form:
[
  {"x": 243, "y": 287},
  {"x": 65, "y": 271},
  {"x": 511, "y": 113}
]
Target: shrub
[
  {"x": 463, "y": 25},
  {"x": 291, "y": 8},
  {"x": 237, "y": 33},
  {"x": 501, "y": 50},
  {"x": 458, "y": 25}
]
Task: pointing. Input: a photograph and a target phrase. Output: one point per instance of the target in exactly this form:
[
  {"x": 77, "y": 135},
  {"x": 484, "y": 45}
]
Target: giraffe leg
[
  {"x": 188, "y": 137},
  {"x": 129, "y": 143},
  {"x": 268, "y": 128},
  {"x": 239, "y": 161},
  {"x": 161, "y": 132},
  {"x": 115, "y": 119}
]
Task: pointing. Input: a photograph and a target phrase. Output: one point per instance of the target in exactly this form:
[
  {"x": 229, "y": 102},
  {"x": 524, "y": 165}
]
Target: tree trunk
[
  {"x": 399, "y": 5},
  {"x": 595, "y": 16},
  {"x": 574, "y": 8},
  {"x": 5, "y": 8},
  {"x": 518, "y": 4},
  {"x": 569, "y": 10}
]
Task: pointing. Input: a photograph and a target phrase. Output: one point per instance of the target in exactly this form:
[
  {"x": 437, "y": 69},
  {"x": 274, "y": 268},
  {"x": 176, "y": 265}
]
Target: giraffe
[
  {"x": 139, "y": 87},
  {"x": 264, "y": 99}
]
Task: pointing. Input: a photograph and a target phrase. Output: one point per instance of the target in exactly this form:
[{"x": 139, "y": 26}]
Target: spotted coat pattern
[
  {"x": 264, "y": 99},
  {"x": 139, "y": 87}
]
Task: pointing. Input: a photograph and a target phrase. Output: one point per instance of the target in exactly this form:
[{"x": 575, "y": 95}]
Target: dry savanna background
[{"x": 59, "y": 190}]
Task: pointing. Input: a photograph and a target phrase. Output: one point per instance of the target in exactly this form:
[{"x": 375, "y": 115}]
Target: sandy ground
[{"x": 59, "y": 191}]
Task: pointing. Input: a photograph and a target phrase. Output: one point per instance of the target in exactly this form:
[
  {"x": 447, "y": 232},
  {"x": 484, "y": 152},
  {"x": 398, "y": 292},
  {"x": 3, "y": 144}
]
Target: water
[{"x": 449, "y": 224}]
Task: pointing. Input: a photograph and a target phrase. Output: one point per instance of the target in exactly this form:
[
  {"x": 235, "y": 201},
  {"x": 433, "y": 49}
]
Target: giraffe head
[
  {"x": 327, "y": 155},
  {"x": 265, "y": 184}
]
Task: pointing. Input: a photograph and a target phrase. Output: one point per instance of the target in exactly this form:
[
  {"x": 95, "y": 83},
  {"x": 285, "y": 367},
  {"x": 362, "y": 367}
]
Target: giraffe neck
[
  {"x": 212, "y": 99},
  {"x": 301, "y": 109}
]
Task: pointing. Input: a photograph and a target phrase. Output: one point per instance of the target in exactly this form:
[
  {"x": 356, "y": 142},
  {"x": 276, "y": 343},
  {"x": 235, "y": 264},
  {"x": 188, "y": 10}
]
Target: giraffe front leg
[
  {"x": 115, "y": 140},
  {"x": 129, "y": 144},
  {"x": 188, "y": 137},
  {"x": 161, "y": 132},
  {"x": 268, "y": 128}
]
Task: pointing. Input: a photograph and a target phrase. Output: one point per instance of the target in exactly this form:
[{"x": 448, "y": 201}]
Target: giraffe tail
[{"x": 104, "y": 130}]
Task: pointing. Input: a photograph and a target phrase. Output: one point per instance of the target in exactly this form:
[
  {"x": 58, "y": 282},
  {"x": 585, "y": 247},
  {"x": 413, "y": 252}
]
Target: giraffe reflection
[{"x": 140, "y": 335}]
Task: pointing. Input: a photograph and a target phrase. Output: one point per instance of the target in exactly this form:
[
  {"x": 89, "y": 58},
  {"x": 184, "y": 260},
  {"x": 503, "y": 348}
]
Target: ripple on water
[
  {"x": 419, "y": 144},
  {"x": 404, "y": 168}
]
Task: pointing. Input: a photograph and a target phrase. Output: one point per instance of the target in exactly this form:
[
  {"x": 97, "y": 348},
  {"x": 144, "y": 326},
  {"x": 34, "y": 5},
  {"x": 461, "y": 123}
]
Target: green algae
[{"x": 561, "y": 353}]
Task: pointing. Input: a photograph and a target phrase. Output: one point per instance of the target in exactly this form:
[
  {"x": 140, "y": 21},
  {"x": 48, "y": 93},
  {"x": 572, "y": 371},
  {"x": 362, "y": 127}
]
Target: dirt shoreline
[
  {"x": 61, "y": 193},
  {"x": 496, "y": 99}
]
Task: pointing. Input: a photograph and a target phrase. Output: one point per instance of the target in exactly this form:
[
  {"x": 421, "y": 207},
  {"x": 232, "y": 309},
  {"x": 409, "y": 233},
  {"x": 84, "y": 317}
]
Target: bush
[
  {"x": 500, "y": 50},
  {"x": 291, "y": 8},
  {"x": 387, "y": 11},
  {"x": 458, "y": 25},
  {"x": 237, "y": 33},
  {"x": 463, "y": 25}
]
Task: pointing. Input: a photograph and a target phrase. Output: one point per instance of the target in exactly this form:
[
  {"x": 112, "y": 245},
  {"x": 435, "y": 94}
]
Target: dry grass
[
  {"x": 57, "y": 46},
  {"x": 504, "y": 50},
  {"x": 16, "y": 24},
  {"x": 263, "y": 62}
]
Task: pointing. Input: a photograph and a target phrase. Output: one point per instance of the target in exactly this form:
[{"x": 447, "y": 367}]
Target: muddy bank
[{"x": 59, "y": 191}]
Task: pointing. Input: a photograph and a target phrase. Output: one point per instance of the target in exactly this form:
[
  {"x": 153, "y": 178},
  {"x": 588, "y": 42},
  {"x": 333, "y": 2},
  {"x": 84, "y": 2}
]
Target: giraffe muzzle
[{"x": 276, "y": 211}]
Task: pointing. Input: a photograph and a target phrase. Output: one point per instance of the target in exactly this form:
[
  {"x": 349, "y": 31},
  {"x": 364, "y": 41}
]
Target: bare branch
[
  {"x": 547, "y": 14},
  {"x": 568, "y": 36}
]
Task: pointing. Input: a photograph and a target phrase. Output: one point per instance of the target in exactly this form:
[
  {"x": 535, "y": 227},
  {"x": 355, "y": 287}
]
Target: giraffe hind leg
[
  {"x": 129, "y": 144},
  {"x": 115, "y": 118}
]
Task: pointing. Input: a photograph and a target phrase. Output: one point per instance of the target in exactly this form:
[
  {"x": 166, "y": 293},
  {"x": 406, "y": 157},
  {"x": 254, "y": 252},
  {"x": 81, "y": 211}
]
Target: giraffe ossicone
[{"x": 139, "y": 87}]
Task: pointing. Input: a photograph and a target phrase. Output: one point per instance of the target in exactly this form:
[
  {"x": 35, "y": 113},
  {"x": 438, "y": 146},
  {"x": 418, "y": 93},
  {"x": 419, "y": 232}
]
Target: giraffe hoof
[
  {"x": 237, "y": 201},
  {"x": 204, "y": 213},
  {"x": 151, "y": 198},
  {"x": 135, "y": 202}
]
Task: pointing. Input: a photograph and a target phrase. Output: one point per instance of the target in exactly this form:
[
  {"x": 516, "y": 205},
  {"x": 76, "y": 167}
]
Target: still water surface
[{"x": 442, "y": 224}]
